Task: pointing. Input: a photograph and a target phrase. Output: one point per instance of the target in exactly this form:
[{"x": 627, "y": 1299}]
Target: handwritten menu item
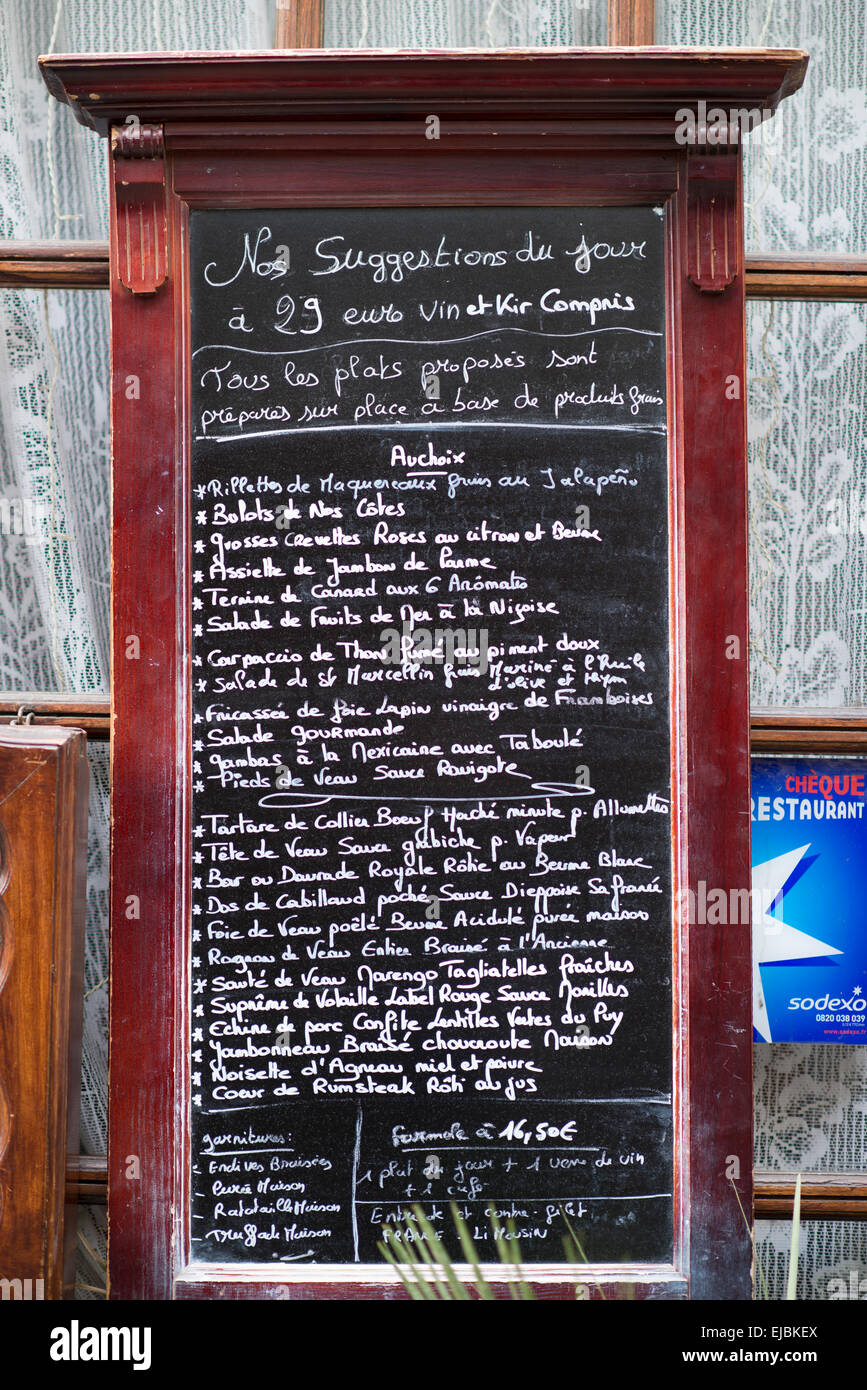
[{"x": 431, "y": 891}]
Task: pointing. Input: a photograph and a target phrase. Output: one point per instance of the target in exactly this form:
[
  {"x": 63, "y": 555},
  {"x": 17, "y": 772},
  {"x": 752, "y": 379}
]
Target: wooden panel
[
  {"x": 631, "y": 21},
  {"x": 300, "y": 23},
  {"x": 43, "y": 861},
  {"x": 483, "y": 174},
  {"x": 713, "y": 537}
]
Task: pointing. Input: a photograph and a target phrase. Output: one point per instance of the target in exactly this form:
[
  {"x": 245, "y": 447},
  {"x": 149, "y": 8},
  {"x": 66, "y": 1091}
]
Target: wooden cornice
[{"x": 629, "y": 84}]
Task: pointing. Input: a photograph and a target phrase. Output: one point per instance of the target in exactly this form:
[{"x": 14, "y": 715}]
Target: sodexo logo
[{"x": 826, "y": 1003}]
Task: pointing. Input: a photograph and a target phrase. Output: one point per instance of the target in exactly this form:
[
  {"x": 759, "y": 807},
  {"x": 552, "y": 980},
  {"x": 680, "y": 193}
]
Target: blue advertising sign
[{"x": 809, "y": 899}]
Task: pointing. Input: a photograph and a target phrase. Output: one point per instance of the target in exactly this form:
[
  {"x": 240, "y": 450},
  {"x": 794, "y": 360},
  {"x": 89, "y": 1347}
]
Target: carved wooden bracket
[
  {"x": 140, "y": 196},
  {"x": 713, "y": 245}
]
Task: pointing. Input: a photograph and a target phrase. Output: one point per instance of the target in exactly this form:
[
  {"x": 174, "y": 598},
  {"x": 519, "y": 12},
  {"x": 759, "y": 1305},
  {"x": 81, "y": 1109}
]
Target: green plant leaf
[
  {"x": 794, "y": 1243},
  {"x": 438, "y": 1250},
  {"x": 577, "y": 1246},
  {"x": 765, "y": 1294},
  {"x": 524, "y": 1289},
  {"x": 418, "y": 1289},
  {"x": 426, "y": 1262},
  {"x": 507, "y": 1258},
  {"x": 483, "y": 1288}
]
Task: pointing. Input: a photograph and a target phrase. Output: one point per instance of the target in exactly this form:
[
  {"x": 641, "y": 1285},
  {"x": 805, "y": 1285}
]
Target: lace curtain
[
  {"x": 806, "y": 169},
  {"x": 807, "y": 365}
]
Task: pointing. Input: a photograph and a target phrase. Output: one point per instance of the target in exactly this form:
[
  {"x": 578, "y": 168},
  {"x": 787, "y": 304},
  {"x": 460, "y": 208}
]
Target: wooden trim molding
[
  {"x": 90, "y": 713},
  {"x": 43, "y": 863},
  {"x": 788, "y": 277},
  {"x": 87, "y": 1179},
  {"x": 809, "y": 731},
  {"x": 81, "y": 265},
  {"x": 824, "y": 1196}
]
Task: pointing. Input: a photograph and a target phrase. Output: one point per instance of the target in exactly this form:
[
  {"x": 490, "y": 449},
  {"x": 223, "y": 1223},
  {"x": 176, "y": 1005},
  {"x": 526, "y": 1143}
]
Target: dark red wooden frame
[{"x": 324, "y": 129}]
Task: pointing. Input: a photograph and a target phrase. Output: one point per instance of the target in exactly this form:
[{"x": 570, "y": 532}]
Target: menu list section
[{"x": 431, "y": 822}]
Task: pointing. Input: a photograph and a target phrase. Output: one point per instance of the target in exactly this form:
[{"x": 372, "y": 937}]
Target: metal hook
[{"x": 19, "y": 719}]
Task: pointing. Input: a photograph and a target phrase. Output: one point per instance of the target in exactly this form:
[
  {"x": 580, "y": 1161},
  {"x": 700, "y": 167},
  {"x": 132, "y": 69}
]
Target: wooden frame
[
  {"x": 592, "y": 125},
  {"x": 821, "y": 277}
]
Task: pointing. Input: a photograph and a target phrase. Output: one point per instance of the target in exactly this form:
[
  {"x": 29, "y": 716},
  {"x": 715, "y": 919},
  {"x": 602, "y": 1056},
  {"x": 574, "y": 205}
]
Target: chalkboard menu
[{"x": 431, "y": 946}]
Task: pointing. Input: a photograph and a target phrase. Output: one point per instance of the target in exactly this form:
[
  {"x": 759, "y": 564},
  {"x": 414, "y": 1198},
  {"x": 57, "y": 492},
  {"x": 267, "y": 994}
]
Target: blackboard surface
[{"x": 431, "y": 907}]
